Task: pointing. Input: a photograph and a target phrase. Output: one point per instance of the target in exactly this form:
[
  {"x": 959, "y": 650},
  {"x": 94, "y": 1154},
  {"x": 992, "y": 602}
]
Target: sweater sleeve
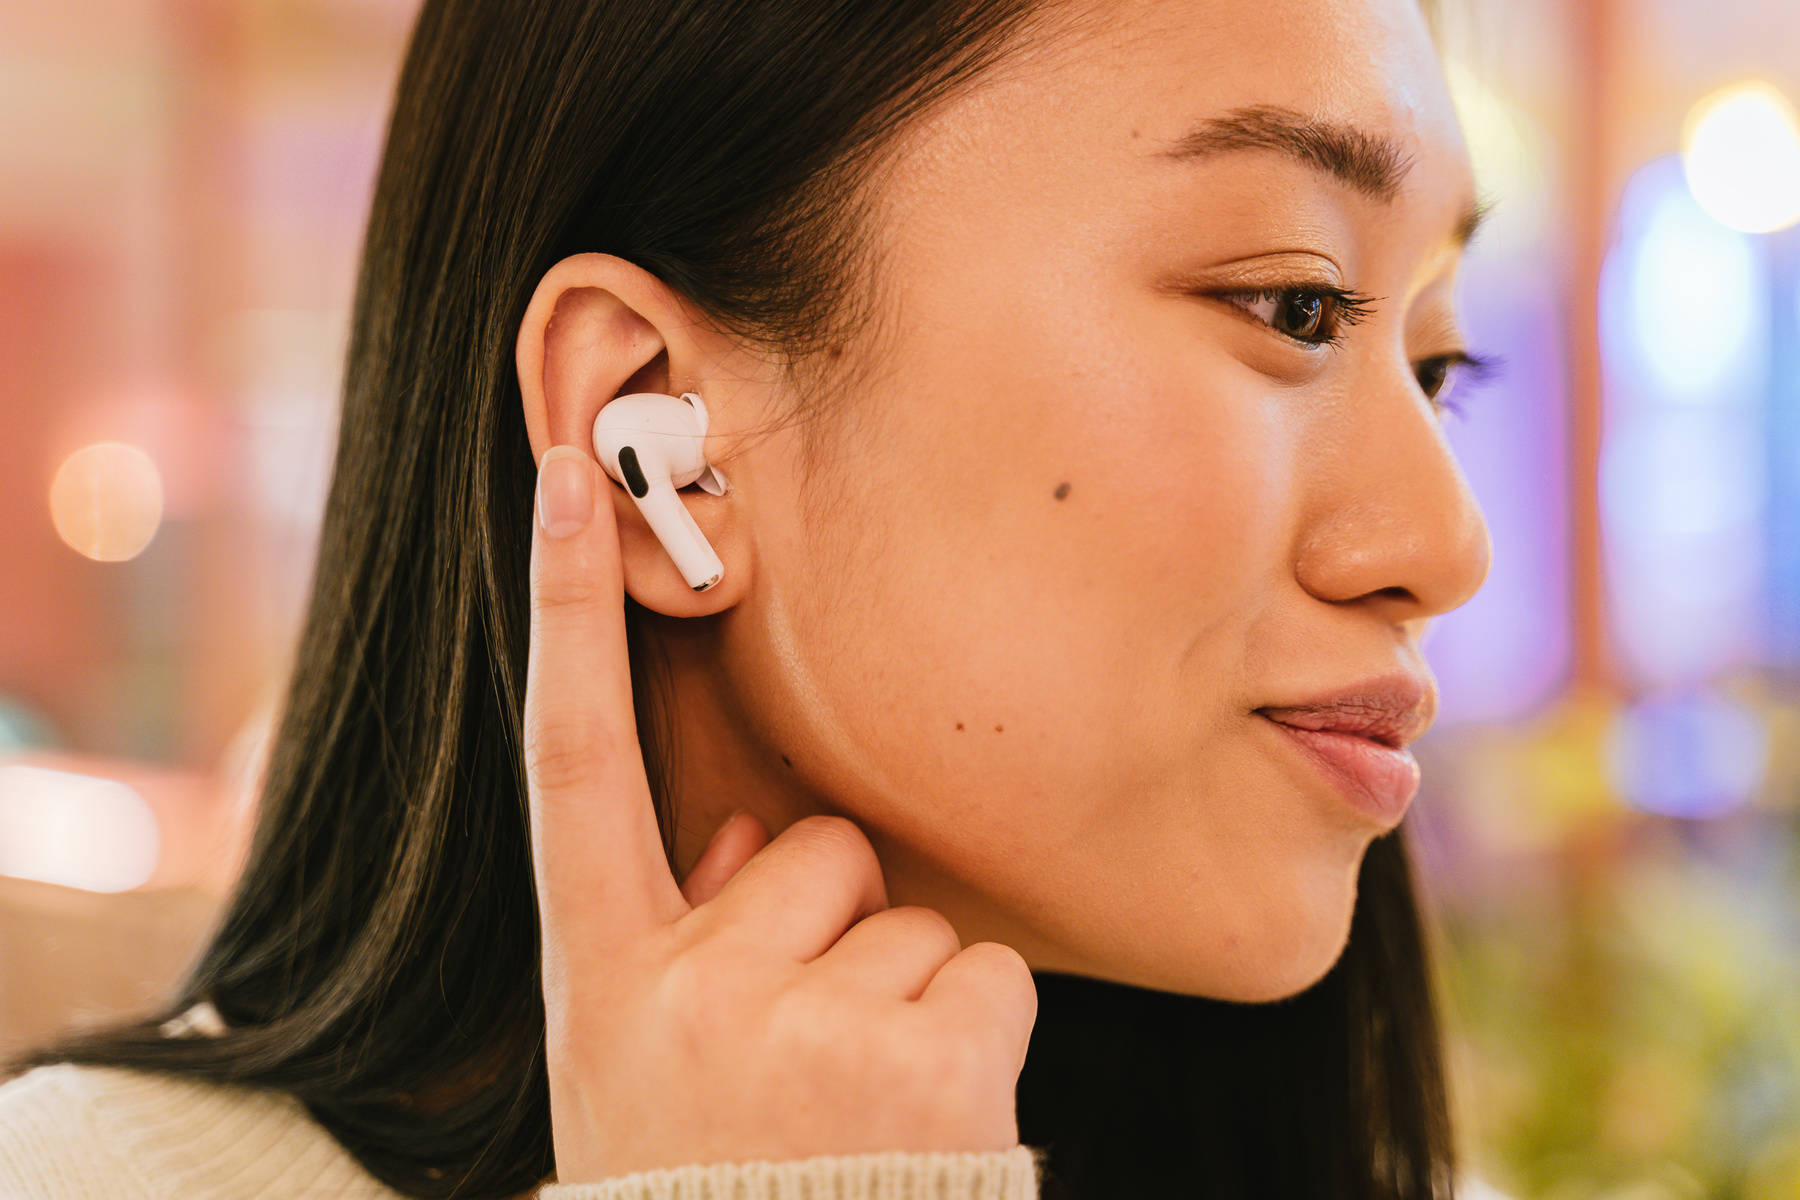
[
  {"x": 98, "y": 1133},
  {"x": 1004, "y": 1175},
  {"x": 91, "y": 1133},
  {"x": 49, "y": 1149}
]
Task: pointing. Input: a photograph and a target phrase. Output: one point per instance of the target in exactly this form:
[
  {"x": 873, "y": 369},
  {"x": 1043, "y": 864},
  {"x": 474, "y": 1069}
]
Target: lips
[{"x": 1357, "y": 739}]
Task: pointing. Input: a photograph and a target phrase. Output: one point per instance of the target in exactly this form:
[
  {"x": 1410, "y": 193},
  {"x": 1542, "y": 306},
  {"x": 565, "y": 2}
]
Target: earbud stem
[{"x": 674, "y": 526}]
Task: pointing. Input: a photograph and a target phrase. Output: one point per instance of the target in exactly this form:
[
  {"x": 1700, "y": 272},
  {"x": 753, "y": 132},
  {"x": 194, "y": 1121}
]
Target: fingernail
[{"x": 565, "y": 493}]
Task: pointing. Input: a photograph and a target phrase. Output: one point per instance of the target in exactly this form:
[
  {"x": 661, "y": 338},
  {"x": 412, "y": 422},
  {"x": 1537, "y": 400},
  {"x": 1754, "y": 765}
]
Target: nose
[{"x": 1390, "y": 520}]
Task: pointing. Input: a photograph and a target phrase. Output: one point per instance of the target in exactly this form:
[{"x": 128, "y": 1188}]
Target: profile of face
[{"x": 1134, "y": 475}]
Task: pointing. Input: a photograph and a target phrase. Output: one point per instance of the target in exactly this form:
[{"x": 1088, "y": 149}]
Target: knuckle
[
  {"x": 835, "y": 832},
  {"x": 962, "y": 1064},
  {"x": 701, "y": 991},
  {"x": 559, "y": 756},
  {"x": 1012, "y": 989},
  {"x": 555, "y": 592},
  {"x": 690, "y": 973},
  {"x": 816, "y": 1029},
  {"x": 926, "y": 925},
  {"x": 1005, "y": 966},
  {"x": 837, "y": 839}
]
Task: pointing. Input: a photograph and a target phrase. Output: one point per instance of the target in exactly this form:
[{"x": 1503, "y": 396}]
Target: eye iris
[
  {"x": 1433, "y": 374},
  {"x": 1301, "y": 315}
]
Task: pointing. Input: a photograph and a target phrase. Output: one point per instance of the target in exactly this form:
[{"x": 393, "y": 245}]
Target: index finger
[{"x": 596, "y": 850}]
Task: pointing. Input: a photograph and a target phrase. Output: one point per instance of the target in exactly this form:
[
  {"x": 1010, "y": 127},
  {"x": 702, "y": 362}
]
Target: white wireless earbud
[{"x": 653, "y": 444}]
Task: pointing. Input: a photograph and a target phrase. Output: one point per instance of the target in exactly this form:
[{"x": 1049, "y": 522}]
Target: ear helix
[{"x": 652, "y": 444}]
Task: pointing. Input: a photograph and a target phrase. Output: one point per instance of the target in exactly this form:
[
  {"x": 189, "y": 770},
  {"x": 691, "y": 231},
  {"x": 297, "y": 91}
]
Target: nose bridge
[{"x": 1390, "y": 515}]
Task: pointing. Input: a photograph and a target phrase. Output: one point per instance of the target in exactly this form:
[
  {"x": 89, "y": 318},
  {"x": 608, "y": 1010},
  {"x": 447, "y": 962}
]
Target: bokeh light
[
  {"x": 1696, "y": 304},
  {"x": 1687, "y": 754},
  {"x": 75, "y": 830},
  {"x": 1742, "y": 154},
  {"x": 107, "y": 501},
  {"x": 1686, "y": 326}
]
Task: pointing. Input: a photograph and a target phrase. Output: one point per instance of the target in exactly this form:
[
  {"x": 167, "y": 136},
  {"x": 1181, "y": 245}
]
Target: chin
[
  {"x": 1287, "y": 974},
  {"x": 1275, "y": 973},
  {"x": 1270, "y": 952}
]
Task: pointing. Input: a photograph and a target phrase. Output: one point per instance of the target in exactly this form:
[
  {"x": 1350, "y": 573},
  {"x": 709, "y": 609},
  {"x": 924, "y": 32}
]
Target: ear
[{"x": 599, "y": 327}]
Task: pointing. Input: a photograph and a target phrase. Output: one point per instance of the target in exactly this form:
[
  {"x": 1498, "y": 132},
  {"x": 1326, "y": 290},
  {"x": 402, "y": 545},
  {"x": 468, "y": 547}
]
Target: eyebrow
[{"x": 1372, "y": 165}]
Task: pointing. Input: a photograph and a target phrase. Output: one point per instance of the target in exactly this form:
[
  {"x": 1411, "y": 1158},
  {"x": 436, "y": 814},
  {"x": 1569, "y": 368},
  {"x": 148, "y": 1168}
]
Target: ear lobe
[{"x": 651, "y": 577}]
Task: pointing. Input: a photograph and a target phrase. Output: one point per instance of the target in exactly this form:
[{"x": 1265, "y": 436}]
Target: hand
[{"x": 771, "y": 1007}]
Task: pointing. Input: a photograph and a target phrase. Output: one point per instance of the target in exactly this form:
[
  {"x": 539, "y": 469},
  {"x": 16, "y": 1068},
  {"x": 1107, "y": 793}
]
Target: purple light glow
[
  {"x": 1687, "y": 754},
  {"x": 1506, "y": 651},
  {"x": 1684, "y": 316}
]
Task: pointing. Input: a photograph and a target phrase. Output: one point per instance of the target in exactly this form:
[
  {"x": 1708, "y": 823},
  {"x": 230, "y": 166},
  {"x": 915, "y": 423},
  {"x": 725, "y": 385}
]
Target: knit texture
[
  {"x": 88, "y": 1133},
  {"x": 1008, "y": 1176}
]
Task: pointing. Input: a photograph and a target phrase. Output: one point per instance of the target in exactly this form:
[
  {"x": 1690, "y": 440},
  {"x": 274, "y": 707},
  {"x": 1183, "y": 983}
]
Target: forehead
[
  {"x": 1366, "y": 62},
  {"x": 1115, "y": 83}
]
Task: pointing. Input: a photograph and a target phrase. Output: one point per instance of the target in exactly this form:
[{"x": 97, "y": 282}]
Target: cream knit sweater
[{"x": 87, "y": 1133}]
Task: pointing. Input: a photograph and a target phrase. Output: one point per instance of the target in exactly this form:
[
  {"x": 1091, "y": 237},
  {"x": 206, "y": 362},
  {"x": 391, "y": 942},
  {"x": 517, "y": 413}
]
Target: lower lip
[{"x": 1377, "y": 780}]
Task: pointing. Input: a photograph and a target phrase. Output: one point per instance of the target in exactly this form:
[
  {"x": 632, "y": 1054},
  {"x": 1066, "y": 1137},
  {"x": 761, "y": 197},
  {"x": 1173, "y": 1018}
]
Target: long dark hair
[{"x": 379, "y": 959}]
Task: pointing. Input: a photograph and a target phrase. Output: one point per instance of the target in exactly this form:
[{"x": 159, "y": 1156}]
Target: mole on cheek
[
  {"x": 959, "y": 727},
  {"x": 786, "y": 760},
  {"x": 1061, "y": 492},
  {"x": 999, "y": 729}
]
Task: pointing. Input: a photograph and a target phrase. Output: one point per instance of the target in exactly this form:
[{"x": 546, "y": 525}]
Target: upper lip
[{"x": 1393, "y": 710}]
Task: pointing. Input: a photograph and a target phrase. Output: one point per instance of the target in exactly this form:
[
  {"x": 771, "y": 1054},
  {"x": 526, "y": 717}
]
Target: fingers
[
  {"x": 735, "y": 843},
  {"x": 597, "y": 853},
  {"x": 987, "y": 986},
  {"x": 896, "y": 952},
  {"x": 800, "y": 894}
]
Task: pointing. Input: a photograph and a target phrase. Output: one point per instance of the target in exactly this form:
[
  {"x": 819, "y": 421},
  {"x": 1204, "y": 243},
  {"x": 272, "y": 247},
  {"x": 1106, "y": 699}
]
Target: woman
[{"x": 1075, "y": 368}]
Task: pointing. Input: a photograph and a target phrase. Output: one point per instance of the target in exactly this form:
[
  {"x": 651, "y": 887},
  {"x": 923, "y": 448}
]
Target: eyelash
[
  {"x": 1339, "y": 308},
  {"x": 1463, "y": 372},
  {"x": 1342, "y": 308}
]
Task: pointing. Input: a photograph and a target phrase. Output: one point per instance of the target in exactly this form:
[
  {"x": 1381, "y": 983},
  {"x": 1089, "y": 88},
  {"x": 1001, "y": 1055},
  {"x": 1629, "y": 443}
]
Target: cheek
[
  {"x": 1047, "y": 700},
  {"x": 1084, "y": 645}
]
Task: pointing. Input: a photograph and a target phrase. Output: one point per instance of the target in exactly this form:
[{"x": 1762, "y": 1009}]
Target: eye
[
  {"x": 1433, "y": 374},
  {"x": 1315, "y": 316},
  {"x": 1436, "y": 374}
]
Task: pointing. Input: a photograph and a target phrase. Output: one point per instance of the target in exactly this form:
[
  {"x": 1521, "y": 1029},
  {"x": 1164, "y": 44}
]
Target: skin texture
[{"x": 1074, "y": 515}]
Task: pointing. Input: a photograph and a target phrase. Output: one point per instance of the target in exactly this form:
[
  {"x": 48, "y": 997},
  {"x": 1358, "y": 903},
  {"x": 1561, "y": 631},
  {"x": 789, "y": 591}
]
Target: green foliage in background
[{"x": 1623, "y": 990}]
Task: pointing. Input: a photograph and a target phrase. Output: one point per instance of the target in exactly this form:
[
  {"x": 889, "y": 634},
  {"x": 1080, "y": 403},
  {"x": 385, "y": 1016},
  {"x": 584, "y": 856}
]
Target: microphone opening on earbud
[{"x": 633, "y": 472}]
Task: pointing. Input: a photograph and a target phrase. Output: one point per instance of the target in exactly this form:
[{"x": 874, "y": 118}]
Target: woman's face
[{"x": 1114, "y": 496}]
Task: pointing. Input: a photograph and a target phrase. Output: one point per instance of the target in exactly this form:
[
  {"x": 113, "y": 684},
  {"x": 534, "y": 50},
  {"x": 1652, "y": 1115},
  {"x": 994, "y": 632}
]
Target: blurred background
[{"x": 1610, "y": 829}]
